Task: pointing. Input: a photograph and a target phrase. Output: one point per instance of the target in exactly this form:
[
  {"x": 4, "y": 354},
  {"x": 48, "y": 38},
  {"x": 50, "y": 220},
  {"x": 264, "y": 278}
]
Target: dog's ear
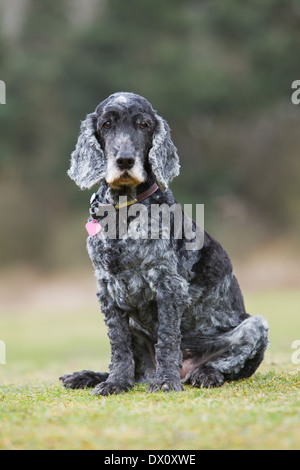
[
  {"x": 163, "y": 156},
  {"x": 87, "y": 161}
]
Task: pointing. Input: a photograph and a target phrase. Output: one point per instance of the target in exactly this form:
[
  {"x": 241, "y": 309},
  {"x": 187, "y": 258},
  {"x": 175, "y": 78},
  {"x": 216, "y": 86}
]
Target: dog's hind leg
[
  {"x": 231, "y": 356},
  {"x": 249, "y": 342}
]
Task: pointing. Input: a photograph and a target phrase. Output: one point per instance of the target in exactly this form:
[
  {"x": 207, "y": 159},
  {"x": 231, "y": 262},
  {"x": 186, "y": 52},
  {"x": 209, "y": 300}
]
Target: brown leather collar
[{"x": 96, "y": 206}]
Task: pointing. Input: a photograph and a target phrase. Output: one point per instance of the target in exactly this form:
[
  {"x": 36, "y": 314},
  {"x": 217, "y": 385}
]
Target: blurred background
[{"x": 219, "y": 72}]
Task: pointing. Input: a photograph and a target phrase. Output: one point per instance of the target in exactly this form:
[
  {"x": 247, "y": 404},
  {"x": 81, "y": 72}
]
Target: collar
[{"x": 96, "y": 205}]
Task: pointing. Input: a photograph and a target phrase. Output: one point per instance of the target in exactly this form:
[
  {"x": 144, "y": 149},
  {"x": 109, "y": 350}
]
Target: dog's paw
[
  {"x": 111, "y": 388},
  {"x": 165, "y": 386},
  {"x": 207, "y": 377},
  {"x": 83, "y": 379}
]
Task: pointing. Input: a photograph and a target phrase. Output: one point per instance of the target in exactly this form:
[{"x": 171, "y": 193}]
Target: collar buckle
[{"x": 96, "y": 207}]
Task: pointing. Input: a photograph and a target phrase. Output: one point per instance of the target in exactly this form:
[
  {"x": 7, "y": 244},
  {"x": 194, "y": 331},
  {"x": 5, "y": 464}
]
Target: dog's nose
[{"x": 125, "y": 162}]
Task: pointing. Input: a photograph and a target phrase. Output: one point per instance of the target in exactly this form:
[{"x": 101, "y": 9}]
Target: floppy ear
[
  {"x": 87, "y": 161},
  {"x": 163, "y": 156}
]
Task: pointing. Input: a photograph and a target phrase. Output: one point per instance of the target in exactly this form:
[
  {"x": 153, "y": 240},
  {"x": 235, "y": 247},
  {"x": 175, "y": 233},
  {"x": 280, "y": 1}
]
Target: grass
[{"x": 37, "y": 413}]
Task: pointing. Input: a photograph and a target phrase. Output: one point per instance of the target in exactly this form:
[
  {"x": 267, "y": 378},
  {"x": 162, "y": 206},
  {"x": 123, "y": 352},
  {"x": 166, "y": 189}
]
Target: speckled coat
[{"x": 173, "y": 315}]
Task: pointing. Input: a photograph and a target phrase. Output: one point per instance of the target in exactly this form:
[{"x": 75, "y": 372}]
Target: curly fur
[{"x": 173, "y": 316}]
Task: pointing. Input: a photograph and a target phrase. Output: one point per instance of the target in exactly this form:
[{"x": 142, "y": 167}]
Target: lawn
[{"x": 37, "y": 413}]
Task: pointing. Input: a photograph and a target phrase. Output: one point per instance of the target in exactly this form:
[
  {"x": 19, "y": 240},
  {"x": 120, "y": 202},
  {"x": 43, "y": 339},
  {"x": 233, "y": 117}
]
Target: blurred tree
[{"x": 219, "y": 72}]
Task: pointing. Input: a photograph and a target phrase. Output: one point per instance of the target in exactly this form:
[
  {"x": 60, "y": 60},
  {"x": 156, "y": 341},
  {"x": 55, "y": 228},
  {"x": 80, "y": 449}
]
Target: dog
[{"x": 174, "y": 315}]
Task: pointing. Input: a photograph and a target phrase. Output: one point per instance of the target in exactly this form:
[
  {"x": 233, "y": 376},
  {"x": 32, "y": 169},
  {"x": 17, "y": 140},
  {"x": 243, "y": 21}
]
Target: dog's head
[{"x": 121, "y": 143}]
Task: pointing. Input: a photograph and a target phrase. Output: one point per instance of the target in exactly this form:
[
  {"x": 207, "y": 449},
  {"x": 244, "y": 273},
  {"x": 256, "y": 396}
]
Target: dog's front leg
[
  {"x": 121, "y": 376},
  {"x": 171, "y": 301}
]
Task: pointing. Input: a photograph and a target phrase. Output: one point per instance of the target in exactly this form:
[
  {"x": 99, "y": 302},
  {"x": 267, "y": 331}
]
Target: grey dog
[{"x": 174, "y": 316}]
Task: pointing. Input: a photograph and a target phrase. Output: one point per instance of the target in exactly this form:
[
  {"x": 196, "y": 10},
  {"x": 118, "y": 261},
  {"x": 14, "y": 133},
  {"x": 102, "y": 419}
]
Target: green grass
[{"x": 37, "y": 413}]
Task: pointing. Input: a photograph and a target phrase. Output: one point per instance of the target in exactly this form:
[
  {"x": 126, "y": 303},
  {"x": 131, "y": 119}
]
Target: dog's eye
[
  {"x": 107, "y": 124},
  {"x": 143, "y": 125}
]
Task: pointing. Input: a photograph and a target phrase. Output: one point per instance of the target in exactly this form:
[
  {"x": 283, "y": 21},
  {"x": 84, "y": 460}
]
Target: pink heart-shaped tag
[{"x": 93, "y": 228}]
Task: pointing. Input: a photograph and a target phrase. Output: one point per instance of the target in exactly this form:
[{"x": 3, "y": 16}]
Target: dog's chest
[
  {"x": 116, "y": 256},
  {"x": 130, "y": 268}
]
